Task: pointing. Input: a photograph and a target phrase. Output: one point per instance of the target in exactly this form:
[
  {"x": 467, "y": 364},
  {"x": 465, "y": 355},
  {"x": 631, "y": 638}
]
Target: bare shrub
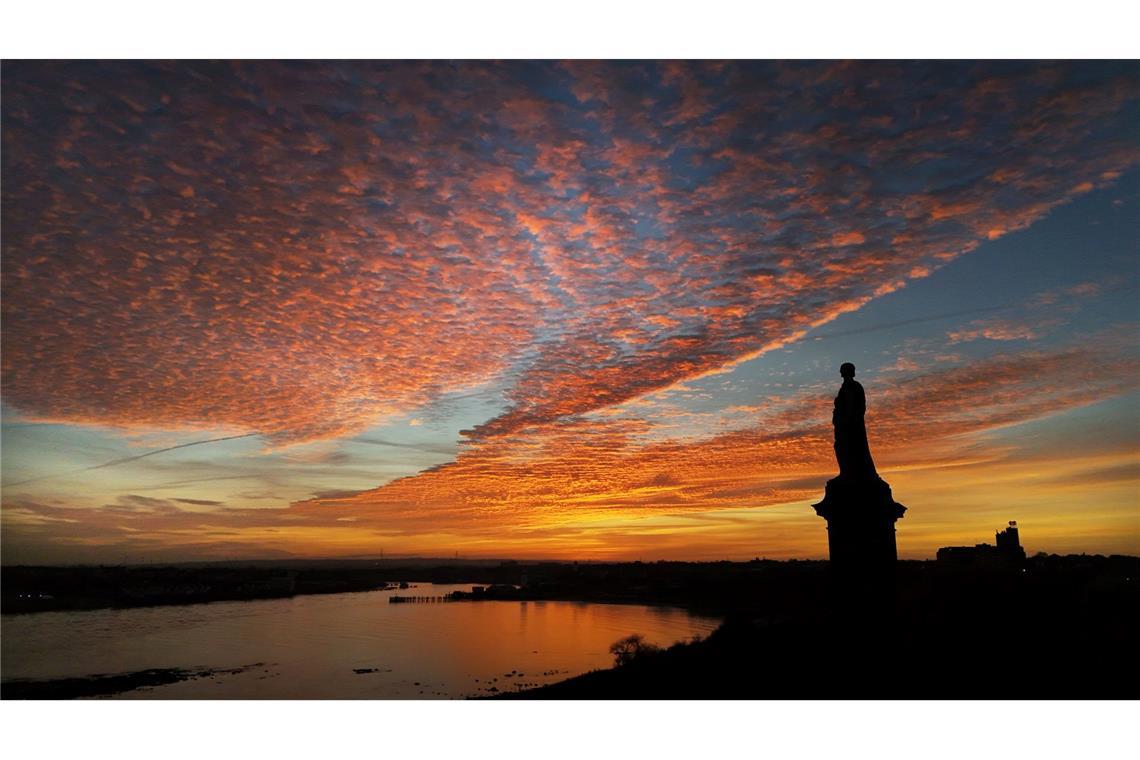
[{"x": 631, "y": 648}]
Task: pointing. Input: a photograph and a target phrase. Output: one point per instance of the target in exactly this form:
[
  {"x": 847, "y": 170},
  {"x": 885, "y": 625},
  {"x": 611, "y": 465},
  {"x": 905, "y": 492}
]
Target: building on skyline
[{"x": 1008, "y": 550}]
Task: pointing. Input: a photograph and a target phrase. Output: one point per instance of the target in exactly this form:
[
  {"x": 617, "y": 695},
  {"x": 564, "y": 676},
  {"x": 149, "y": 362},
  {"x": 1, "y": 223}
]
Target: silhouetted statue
[
  {"x": 858, "y": 505},
  {"x": 851, "y": 448}
]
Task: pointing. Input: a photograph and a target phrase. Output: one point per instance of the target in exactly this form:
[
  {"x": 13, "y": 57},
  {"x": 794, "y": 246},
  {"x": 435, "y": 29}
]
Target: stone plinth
[{"x": 861, "y": 515}]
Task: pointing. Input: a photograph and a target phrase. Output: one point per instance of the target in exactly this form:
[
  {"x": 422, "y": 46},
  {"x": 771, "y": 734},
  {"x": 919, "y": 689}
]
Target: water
[{"x": 310, "y": 645}]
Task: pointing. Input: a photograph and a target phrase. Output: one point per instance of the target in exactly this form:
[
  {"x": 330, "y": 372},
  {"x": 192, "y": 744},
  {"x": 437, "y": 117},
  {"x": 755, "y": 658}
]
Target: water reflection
[{"x": 311, "y": 645}]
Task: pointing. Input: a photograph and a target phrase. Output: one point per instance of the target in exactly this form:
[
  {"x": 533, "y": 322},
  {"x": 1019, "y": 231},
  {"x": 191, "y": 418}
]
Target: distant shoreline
[
  {"x": 32, "y": 589},
  {"x": 712, "y": 588}
]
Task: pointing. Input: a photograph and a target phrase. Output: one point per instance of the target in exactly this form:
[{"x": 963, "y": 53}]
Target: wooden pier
[{"x": 420, "y": 599}]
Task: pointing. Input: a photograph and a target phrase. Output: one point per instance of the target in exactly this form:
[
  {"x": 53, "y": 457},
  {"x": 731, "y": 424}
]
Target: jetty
[{"x": 421, "y": 599}]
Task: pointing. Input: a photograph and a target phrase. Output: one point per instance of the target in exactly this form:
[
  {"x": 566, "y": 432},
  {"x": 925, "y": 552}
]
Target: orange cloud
[
  {"x": 300, "y": 250},
  {"x": 590, "y": 486}
]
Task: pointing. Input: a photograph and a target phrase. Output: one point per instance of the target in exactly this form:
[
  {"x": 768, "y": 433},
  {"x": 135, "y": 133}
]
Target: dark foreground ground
[
  {"x": 1057, "y": 628},
  {"x": 1052, "y": 627}
]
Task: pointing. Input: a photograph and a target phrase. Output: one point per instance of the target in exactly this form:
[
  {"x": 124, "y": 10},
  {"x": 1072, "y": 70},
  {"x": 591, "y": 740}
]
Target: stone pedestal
[{"x": 861, "y": 515}]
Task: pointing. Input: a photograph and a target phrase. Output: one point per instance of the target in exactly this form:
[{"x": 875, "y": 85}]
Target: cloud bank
[
  {"x": 556, "y": 489},
  {"x": 299, "y": 249}
]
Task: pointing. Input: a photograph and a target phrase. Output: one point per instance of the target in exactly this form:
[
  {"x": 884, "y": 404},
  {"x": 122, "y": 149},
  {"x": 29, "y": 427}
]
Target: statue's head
[{"x": 847, "y": 369}]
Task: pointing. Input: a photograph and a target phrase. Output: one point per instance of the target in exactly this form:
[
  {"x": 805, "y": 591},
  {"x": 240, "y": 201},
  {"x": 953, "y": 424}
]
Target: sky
[{"x": 569, "y": 310}]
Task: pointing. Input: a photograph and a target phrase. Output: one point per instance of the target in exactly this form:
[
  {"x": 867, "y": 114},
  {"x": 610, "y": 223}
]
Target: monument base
[{"x": 861, "y": 515}]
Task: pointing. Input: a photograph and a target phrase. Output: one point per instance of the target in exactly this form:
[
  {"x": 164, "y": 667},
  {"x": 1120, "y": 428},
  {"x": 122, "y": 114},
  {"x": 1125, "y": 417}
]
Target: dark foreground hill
[{"x": 1062, "y": 627}]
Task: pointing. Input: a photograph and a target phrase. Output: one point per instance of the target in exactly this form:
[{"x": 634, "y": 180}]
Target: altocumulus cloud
[{"x": 300, "y": 249}]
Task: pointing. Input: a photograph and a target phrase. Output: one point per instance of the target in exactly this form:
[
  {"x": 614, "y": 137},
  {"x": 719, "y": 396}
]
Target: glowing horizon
[{"x": 563, "y": 310}]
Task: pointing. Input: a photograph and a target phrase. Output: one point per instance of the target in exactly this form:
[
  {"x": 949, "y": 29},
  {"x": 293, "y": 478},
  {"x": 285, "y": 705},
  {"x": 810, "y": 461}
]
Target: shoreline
[
  {"x": 708, "y": 588},
  {"x": 187, "y": 602},
  {"x": 107, "y": 684}
]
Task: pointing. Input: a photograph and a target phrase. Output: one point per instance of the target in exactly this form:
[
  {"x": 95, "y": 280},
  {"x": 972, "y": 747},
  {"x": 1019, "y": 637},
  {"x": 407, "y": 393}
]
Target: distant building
[
  {"x": 1007, "y": 551},
  {"x": 1009, "y": 542}
]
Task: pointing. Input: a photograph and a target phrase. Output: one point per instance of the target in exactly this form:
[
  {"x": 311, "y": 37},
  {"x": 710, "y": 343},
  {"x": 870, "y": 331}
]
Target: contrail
[
  {"x": 413, "y": 446},
  {"x": 945, "y": 315},
  {"x": 905, "y": 322},
  {"x": 135, "y": 458}
]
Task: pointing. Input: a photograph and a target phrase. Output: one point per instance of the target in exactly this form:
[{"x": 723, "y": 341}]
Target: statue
[
  {"x": 858, "y": 505},
  {"x": 851, "y": 448}
]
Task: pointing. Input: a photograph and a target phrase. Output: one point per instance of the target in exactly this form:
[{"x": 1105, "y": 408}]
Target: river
[{"x": 310, "y": 647}]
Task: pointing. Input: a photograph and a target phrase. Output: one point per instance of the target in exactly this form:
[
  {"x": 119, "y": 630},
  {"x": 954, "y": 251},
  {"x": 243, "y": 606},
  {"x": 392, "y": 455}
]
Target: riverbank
[
  {"x": 28, "y": 589},
  {"x": 1058, "y": 628},
  {"x": 707, "y": 587},
  {"x": 105, "y": 685}
]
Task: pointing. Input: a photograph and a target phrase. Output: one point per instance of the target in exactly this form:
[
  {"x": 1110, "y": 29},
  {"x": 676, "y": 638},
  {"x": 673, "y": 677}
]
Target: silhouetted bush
[{"x": 631, "y": 648}]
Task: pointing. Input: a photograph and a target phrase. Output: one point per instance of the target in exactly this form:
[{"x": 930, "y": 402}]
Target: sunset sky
[{"x": 566, "y": 310}]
